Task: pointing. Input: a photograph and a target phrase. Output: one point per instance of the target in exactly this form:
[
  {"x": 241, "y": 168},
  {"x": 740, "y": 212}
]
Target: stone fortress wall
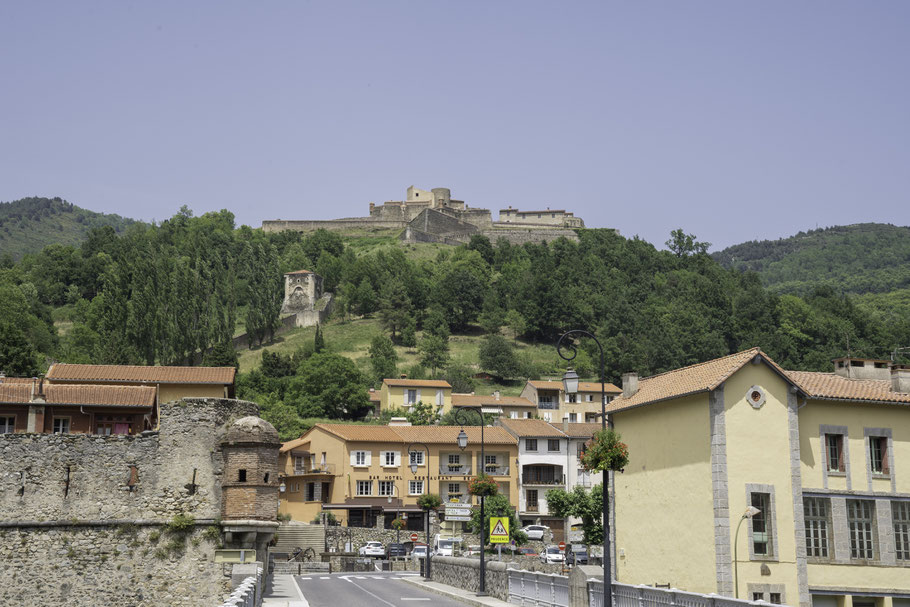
[
  {"x": 84, "y": 518},
  {"x": 425, "y": 216}
]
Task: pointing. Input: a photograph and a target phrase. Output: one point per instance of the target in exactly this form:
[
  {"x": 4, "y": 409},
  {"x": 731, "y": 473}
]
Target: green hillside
[
  {"x": 860, "y": 258},
  {"x": 30, "y": 224}
]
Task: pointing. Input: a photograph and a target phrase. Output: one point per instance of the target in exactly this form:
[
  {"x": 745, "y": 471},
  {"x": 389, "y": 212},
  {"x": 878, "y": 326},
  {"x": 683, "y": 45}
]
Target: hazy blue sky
[{"x": 733, "y": 120}]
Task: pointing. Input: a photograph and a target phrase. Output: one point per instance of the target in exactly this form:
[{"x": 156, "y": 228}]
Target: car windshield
[
  {"x": 445, "y": 544},
  {"x": 552, "y": 550}
]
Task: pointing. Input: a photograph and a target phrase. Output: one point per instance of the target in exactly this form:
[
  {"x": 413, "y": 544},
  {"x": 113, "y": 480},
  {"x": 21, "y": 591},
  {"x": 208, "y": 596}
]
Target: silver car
[
  {"x": 552, "y": 555},
  {"x": 536, "y": 532}
]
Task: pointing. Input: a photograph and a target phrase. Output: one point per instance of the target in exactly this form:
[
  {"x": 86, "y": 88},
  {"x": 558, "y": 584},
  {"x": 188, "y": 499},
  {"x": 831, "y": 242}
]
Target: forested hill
[
  {"x": 860, "y": 258},
  {"x": 30, "y": 224}
]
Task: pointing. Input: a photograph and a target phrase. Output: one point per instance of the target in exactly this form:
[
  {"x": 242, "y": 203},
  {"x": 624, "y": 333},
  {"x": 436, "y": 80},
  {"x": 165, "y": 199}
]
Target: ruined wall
[
  {"x": 351, "y": 223},
  {"x": 84, "y": 518}
]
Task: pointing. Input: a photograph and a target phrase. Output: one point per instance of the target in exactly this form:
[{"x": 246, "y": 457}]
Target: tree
[
  {"x": 459, "y": 376},
  {"x": 394, "y": 307},
  {"x": 434, "y": 352},
  {"x": 222, "y": 354},
  {"x": 422, "y": 414},
  {"x": 276, "y": 364},
  {"x": 408, "y": 337},
  {"x": 492, "y": 316},
  {"x": 583, "y": 504},
  {"x": 435, "y": 323},
  {"x": 498, "y": 505},
  {"x": 683, "y": 245},
  {"x": 383, "y": 358},
  {"x": 318, "y": 340},
  {"x": 498, "y": 357},
  {"x": 330, "y": 385}
]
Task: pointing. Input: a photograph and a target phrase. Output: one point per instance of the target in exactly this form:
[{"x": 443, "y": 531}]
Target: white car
[
  {"x": 552, "y": 555},
  {"x": 419, "y": 552},
  {"x": 536, "y": 532},
  {"x": 372, "y": 549}
]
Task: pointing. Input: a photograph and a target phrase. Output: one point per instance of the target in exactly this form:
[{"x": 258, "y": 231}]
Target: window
[
  {"x": 834, "y": 448},
  {"x": 241, "y": 476},
  {"x": 415, "y": 487},
  {"x": 454, "y": 462},
  {"x": 774, "y": 598},
  {"x": 364, "y": 487},
  {"x": 386, "y": 488},
  {"x": 553, "y": 444},
  {"x": 417, "y": 458},
  {"x": 513, "y": 414},
  {"x": 61, "y": 425},
  {"x": 530, "y": 444},
  {"x": 589, "y": 398},
  {"x": 546, "y": 402},
  {"x": 454, "y": 488},
  {"x": 439, "y": 398},
  {"x": 817, "y": 516},
  {"x": 489, "y": 463},
  {"x": 573, "y": 417},
  {"x": 572, "y": 398},
  {"x": 900, "y": 513},
  {"x": 547, "y": 416},
  {"x": 861, "y": 523},
  {"x": 531, "y": 499},
  {"x": 7, "y": 425},
  {"x": 360, "y": 458},
  {"x": 388, "y": 459},
  {"x": 310, "y": 492},
  {"x": 758, "y": 596},
  {"x": 878, "y": 454},
  {"x": 411, "y": 397},
  {"x": 761, "y": 525}
]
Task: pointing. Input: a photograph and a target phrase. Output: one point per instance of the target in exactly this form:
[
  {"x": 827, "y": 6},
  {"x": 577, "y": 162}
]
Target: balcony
[
  {"x": 494, "y": 470},
  {"x": 547, "y": 405},
  {"x": 307, "y": 468},
  {"x": 454, "y": 469},
  {"x": 458, "y": 498},
  {"x": 536, "y": 479}
]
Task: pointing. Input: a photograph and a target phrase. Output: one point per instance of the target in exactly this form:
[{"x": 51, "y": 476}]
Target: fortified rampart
[{"x": 89, "y": 520}]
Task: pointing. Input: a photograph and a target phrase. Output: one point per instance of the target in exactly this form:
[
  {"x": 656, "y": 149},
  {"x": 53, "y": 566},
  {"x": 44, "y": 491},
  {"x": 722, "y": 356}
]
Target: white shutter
[
  {"x": 397, "y": 459},
  {"x": 418, "y": 395},
  {"x": 369, "y": 457},
  {"x": 567, "y": 397},
  {"x": 353, "y": 458}
]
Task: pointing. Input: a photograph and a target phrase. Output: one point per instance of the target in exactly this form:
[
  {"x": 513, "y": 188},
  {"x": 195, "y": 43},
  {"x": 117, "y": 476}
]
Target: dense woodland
[{"x": 177, "y": 292}]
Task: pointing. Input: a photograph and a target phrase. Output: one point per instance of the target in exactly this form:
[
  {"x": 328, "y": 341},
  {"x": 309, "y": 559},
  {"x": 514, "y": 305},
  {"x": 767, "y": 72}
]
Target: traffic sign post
[
  {"x": 414, "y": 537},
  {"x": 499, "y": 530},
  {"x": 562, "y": 546}
]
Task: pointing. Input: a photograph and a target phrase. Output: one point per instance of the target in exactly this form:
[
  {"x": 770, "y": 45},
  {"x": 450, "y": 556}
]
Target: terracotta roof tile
[
  {"x": 834, "y": 387},
  {"x": 579, "y": 429},
  {"x": 293, "y": 444},
  {"x": 409, "y": 434},
  {"x": 117, "y": 396},
  {"x": 583, "y": 386},
  {"x": 531, "y": 427},
  {"x": 701, "y": 377},
  {"x": 126, "y": 373},
  {"x": 361, "y": 432},
  {"x": 17, "y": 380},
  {"x": 418, "y": 383},
  {"x": 475, "y": 400}
]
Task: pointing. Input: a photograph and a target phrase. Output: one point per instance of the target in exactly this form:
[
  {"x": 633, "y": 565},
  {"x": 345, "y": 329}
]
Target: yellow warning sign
[{"x": 499, "y": 530}]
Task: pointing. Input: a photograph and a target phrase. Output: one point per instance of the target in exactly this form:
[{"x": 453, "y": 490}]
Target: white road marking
[
  {"x": 325, "y": 577},
  {"x": 300, "y": 592},
  {"x": 360, "y": 577},
  {"x": 379, "y": 598},
  {"x": 377, "y": 577},
  {"x": 407, "y": 598},
  {"x": 306, "y": 578}
]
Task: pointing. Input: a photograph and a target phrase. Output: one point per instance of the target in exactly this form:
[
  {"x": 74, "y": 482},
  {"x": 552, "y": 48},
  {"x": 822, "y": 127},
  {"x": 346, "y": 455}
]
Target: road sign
[
  {"x": 562, "y": 546},
  {"x": 463, "y": 519},
  {"x": 414, "y": 537},
  {"x": 499, "y": 530},
  {"x": 457, "y": 511}
]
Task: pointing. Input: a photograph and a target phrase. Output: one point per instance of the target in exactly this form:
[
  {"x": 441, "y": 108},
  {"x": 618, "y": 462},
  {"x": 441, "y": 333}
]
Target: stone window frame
[
  {"x": 11, "y": 428},
  {"x": 902, "y": 534},
  {"x": 873, "y": 531},
  {"x": 766, "y": 589},
  {"x": 885, "y": 433},
  {"x": 362, "y": 483},
  {"x": 823, "y": 431},
  {"x": 829, "y": 531},
  {"x": 772, "y": 520}
]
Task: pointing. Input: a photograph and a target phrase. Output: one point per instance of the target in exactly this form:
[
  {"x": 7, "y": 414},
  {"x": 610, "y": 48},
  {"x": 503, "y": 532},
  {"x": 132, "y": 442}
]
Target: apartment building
[
  {"x": 405, "y": 393},
  {"x": 792, "y": 487},
  {"x": 363, "y": 472},
  {"x": 514, "y": 407},
  {"x": 554, "y": 403}
]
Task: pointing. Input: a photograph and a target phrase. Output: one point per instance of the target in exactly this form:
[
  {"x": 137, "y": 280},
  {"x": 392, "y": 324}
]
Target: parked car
[
  {"x": 372, "y": 549},
  {"x": 577, "y": 557},
  {"x": 552, "y": 555},
  {"x": 394, "y": 549},
  {"x": 419, "y": 552},
  {"x": 527, "y": 552},
  {"x": 536, "y": 532}
]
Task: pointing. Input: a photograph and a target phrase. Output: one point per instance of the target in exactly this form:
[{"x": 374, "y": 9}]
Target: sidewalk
[
  {"x": 284, "y": 593},
  {"x": 464, "y": 596}
]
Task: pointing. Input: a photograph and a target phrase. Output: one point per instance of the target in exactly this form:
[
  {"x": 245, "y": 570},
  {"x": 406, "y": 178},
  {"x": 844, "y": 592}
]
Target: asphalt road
[{"x": 368, "y": 590}]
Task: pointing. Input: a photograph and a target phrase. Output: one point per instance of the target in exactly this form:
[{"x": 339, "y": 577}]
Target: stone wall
[
  {"x": 279, "y": 225},
  {"x": 84, "y": 518},
  {"x": 465, "y": 573}
]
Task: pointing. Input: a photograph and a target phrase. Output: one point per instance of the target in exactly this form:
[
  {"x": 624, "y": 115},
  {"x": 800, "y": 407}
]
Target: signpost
[
  {"x": 562, "y": 546},
  {"x": 414, "y": 537},
  {"x": 499, "y": 530},
  {"x": 458, "y": 512}
]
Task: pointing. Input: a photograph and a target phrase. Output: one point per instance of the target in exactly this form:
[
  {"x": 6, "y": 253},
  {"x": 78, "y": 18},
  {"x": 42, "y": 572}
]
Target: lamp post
[
  {"x": 570, "y": 384},
  {"x": 749, "y": 513},
  {"x": 413, "y": 461},
  {"x": 462, "y": 443}
]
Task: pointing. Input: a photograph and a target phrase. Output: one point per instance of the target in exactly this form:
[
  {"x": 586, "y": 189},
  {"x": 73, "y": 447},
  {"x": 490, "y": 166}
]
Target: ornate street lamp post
[
  {"x": 570, "y": 384},
  {"x": 426, "y": 490},
  {"x": 462, "y": 443}
]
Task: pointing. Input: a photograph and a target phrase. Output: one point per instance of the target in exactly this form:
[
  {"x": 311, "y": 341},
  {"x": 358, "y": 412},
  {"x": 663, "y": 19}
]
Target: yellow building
[
  {"x": 362, "y": 472},
  {"x": 514, "y": 407},
  {"x": 554, "y": 403},
  {"x": 824, "y": 458},
  {"x": 405, "y": 393}
]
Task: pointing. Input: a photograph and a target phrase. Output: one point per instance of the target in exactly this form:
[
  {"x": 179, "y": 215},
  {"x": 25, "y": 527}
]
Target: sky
[{"x": 732, "y": 120}]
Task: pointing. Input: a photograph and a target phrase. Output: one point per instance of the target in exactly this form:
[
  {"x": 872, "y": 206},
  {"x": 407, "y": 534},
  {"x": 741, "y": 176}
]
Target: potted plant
[
  {"x": 482, "y": 485},
  {"x": 605, "y": 452}
]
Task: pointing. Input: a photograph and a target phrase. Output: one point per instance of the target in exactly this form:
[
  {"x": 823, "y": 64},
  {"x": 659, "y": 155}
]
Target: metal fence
[
  {"x": 625, "y": 595},
  {"x": 532, "y": 589}
]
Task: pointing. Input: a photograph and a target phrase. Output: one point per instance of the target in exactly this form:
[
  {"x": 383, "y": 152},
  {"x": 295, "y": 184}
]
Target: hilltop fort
[{"x": 434, "y": 216}]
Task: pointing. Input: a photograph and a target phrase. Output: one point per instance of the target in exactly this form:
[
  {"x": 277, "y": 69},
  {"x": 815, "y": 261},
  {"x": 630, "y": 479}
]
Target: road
[{"x": 385, "y": 589}]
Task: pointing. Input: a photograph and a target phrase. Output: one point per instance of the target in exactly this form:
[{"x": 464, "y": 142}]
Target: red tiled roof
[
  {"x": 531, "y": 427},
  {"x": 579, "y": 429},
  {"x": 474, "y": 400},
  {"x": 129, "y": 374},
  {"x": 115, "y": 396},
  {"x": 583, "y": 386},
  {"x": 829, "y": 386},
  {"x": 418, "y": 383},
  {"x": 410, "y": 434}
]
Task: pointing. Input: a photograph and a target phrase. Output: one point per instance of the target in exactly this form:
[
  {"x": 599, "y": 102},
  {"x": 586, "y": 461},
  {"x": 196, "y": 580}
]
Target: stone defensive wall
[
  {"x": 350, "y": 223},
  {"x": 84, "y": 519}
]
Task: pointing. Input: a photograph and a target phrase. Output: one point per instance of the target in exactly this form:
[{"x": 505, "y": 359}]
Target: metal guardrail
[
  {"x": 532, "y": 589},
  {"x": 625, "y": 595},
  {"x": 530, "y": 479}
]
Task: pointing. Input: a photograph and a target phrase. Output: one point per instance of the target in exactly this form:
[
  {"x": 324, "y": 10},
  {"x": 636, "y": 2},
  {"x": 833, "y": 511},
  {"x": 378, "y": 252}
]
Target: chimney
[
  {"x": 629, "y": 384},
  {"x": 565, "y": 425},
  {"x": 496, "y": 394},
  {"x": 900, "y": 379},
  {"x": 399, "y": 421}
]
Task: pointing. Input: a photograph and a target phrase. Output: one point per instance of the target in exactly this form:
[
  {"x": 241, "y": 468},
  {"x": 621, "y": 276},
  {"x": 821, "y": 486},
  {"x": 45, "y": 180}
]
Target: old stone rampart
[
  {"x": 279, "y": 225},
  {"x": 84, "y": 519}
]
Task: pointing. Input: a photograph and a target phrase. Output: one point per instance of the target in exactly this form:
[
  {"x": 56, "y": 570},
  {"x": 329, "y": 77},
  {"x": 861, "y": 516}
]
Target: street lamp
[
  {"x": 749, "y": 513},
  {"x": 462, "y": 443},
  {"x": 570, "y": 383},
  {"x": 413, "y": 460}
]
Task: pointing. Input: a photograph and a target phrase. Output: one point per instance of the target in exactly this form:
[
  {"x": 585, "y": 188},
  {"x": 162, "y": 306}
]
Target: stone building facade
[
  {"x": 135, "y": 519},
  {"x": 305, "y": 299}
]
